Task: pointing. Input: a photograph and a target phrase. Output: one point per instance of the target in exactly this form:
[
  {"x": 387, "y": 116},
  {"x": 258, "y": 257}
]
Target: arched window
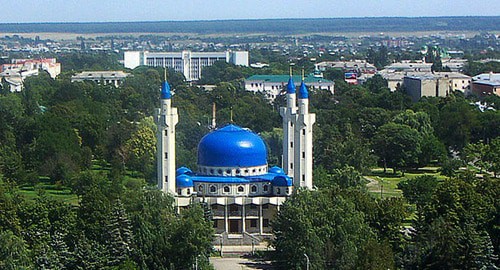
[
  {"x": 219, "y": 171},
  {"x": 200, "y": 188},
  {"x": 213, "y": 189},
  {"x": 241, "y": 189},
  {"x": 254, "y": 189},
  {"x": 266, "y": 188},
  {"x": 278, "y": 190},
  {"x": 226, "y": 189}
]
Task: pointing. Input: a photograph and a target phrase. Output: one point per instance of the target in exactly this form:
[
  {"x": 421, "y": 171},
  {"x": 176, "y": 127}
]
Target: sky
[{"x": 19, "y": 11}]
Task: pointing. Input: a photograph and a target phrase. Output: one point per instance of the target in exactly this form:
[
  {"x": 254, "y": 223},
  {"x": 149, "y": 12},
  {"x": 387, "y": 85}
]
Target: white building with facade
[
  {"x": 272, "y": 85},
  {"x": 115, "y": 78},
  {"x": 48, "y": 65},
  {"x": 19, "y": 69},
  {"x": 233, "y": 177},
  {"x": 187, "y": 62},
  {"x": 359, "y": 66}
]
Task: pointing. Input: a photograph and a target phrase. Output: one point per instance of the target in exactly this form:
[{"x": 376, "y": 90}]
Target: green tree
[
  {"x": 457, "y": 119},
  {"x": 378, "y": 58},
  {"x": 450, "y": 166},
  {"x": 455, "y": 229},
  {"x": 120, "y": 236},
  {"x": 419, "y": 190},
  {"x": 89, "y": 254},
  {"x": 14, "y": 253},
  {"x": 493, "y": 156},
  {"x": 141, "y": 148},
  {"x": 419, "y": 121},
  {"x": 398, "y": 146},
  {"x": 192, "y": 237},
  {"x": 476, "y": 154},
  {"x": 323, "y": 225},
  {"x": 377, "y": 84}
]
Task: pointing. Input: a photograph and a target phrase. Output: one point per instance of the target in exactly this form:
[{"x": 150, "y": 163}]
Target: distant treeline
[{"x": 288, "y": 26}]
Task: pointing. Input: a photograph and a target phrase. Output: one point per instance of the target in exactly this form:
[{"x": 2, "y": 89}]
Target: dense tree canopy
[{"x": 97, "y": 143}]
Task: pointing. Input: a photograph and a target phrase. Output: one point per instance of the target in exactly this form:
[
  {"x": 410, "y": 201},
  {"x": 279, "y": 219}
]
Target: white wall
[
  {"x": 132, "y": 59},
  {"x": 240, "y": 58}
]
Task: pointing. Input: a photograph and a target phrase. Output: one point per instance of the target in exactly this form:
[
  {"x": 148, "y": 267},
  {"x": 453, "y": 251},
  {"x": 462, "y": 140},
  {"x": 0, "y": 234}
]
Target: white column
[
  {"x": 261, "y": 215},
  {"x": 304, "y": 145},
  {"x": 243, "y": 218},
  {"x": 288, "y": 114},
  {"x": 226, "y": 216},
  {"x": 167, "y": 119}
]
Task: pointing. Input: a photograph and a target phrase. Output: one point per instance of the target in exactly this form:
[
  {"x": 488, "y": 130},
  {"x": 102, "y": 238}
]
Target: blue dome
[
  {"x": 165, "y": 90},
  {"x": 183, "y": 181},
  {"x": 290, "y": 87},
  {"x": 276, "y": 170},
  {"x": 183, "y": 170},
  {"x": 282, "y": 181},
  {"x": 232, "y": 146},
  {"x": 303, "y": 94}
]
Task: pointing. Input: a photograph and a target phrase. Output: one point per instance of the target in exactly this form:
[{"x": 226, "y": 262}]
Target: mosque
[{"x": 232, "y": 176}]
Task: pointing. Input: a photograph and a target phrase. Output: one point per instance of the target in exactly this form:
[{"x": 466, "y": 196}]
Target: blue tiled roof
[
  {"x": 303, "y": 94},
  {"x": 183, "y": 170},
  {"x": 290, "y": 87},
  {"x": 183, "y": 181},
  {"x": 268, "y": 177},
  {"x": 232, "y": 146},
  {"x": 165, "y": 90}
]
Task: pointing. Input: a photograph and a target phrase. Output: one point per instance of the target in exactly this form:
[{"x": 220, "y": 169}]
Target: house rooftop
[{"x": 284, "y": 78}]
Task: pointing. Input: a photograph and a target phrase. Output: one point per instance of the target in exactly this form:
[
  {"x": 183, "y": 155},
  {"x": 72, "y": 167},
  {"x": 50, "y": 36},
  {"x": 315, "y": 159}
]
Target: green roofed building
[{"x": 273, "y": 85}]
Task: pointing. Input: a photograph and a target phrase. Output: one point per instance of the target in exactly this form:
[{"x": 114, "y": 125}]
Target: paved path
[
  {"x": 372, "y": 182},
  {"x": 239, "y": 263},
  {"x": 235, "y": 258},
  {"x": 242, "y": 249}
]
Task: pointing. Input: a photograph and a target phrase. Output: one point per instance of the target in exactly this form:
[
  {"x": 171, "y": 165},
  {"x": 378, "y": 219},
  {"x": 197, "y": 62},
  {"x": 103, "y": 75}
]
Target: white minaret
[
  {"x": 289, "y": 118},
  {"x": 166, "y": 119},
  {"x": 303, "y": 137}
]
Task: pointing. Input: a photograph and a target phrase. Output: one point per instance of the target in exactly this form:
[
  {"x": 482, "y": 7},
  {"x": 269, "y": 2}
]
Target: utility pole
[{"x": 307, "y": 261}]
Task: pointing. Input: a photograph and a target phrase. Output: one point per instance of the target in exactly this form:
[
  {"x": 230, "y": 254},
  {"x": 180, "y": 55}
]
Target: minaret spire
[
  {"x": 288, "y": 114},
  {"x": 213, "y": 116},
  {"x": 166, "y": 119},
  {"x": 303, "y": 136}
]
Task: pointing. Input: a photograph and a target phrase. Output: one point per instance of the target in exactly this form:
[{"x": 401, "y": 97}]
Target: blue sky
[{"x": 16, "y": 11}]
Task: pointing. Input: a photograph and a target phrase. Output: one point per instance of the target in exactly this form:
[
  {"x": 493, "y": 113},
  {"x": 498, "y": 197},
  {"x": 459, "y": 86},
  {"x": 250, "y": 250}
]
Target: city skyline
[{"x": 175, "y": 10}]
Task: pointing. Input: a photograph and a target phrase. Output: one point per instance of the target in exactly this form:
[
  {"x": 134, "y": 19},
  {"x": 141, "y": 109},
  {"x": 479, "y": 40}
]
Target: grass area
[
  {"x": 62, "y": 193},
  {"x": 386, "y": 184},
  {"x": 54, "y": 191}
]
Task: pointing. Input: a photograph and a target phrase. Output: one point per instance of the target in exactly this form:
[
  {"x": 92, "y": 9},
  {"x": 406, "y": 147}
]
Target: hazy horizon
[
  {"x": 242, "y": 19},
  {"x": 59, "y": 11}
]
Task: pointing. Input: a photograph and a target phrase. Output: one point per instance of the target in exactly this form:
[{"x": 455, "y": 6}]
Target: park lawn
[
  {"x": 387, "y": 184},
  {"x": 53, "y": 191},
  {"x": 62, "y": 193}
]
